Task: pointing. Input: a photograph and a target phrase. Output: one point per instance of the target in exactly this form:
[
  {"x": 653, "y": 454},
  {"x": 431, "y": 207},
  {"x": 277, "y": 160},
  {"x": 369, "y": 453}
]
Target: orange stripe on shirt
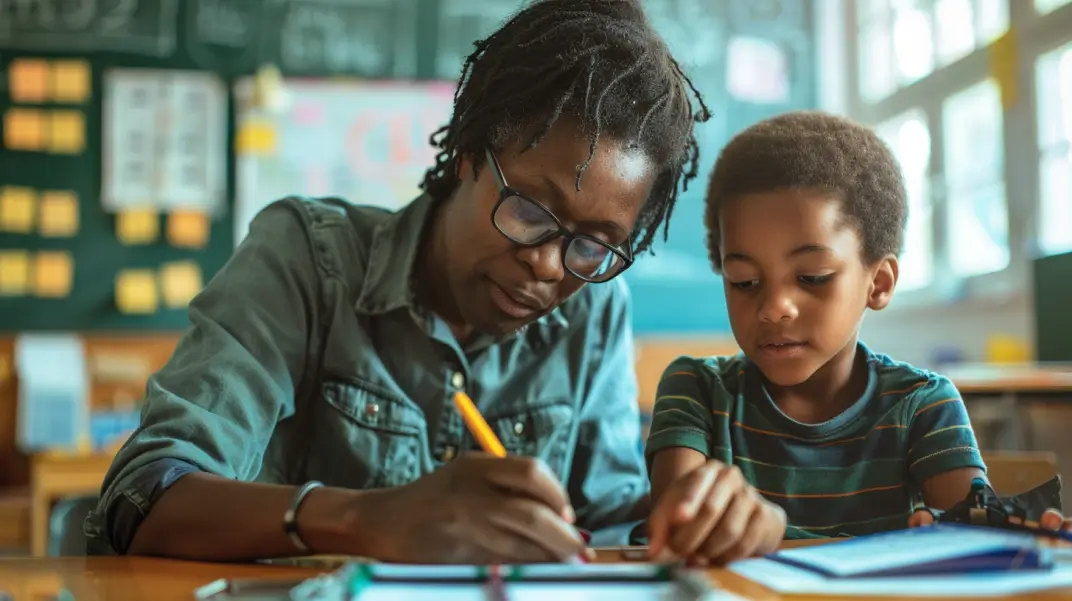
[
  {"x": 904, "y": 390},
  {"x": 829, "y": 495},
  {"x": 934, "y": 404}
]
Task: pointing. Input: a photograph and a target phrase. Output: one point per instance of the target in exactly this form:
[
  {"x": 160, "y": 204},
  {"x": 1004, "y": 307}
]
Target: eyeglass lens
[{"x": 526, "y": 222}]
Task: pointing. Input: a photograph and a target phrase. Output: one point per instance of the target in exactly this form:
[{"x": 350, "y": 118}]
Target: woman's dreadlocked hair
[{"x": 598, "y": 61}]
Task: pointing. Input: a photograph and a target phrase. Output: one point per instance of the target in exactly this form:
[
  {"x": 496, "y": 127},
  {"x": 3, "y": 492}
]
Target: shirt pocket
[
  {"x": 544, "y": 430},
  {"x": 366, "y": 437}
]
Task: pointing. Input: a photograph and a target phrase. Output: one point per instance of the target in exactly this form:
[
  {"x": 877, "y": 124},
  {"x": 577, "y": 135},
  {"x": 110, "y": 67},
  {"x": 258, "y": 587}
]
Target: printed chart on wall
[{"x": 364, "y": 141}]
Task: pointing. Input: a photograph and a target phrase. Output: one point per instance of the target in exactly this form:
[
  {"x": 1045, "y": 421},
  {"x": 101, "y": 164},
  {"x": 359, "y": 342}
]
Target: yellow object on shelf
[{"x": 1003, "y": 349}]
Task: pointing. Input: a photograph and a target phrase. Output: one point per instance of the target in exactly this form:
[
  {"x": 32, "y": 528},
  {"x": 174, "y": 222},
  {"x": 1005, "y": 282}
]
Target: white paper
[
  {"x": 164, "y": 140},
  {"x": 53, "y": 410},
  {"x": 194, "y": 146},
  {"x": 786, "y": 579},
  {"x": 129, "y": 130}
]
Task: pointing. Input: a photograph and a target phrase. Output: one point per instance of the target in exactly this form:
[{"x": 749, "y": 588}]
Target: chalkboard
[{"x": 675, "y": 291}]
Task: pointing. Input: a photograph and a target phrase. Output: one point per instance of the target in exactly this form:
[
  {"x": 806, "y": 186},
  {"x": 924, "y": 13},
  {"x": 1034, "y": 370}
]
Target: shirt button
[
  {"x": 372, "y": 408},
  {"x": 519, "y": 428},
  {"x": 458, "y": 380},
  {"x": 448, "y": 453}
]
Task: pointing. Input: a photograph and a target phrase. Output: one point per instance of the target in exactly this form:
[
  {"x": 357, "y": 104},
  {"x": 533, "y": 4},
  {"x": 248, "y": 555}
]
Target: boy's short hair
[{"x": 811, "y": 149}]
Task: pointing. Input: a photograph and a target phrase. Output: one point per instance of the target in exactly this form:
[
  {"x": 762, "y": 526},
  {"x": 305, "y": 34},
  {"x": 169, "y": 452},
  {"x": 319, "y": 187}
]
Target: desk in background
[{"x": 1008, "y": 390}]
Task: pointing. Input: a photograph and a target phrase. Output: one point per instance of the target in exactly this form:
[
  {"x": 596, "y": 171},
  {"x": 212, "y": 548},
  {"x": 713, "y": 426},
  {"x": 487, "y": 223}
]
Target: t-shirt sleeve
[
  {"x": 940, "y": 435},
  {"x": 681, "y": 416}
]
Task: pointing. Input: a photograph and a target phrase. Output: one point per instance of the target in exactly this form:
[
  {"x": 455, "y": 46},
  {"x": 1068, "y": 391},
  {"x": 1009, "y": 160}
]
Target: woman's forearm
[{"x": 208, "y": 518}]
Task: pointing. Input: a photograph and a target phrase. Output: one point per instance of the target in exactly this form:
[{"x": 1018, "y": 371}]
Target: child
[{"x": 807, "y": 433}]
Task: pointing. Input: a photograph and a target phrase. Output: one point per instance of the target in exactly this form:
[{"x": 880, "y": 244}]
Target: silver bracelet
[{"x": 290, "y": 522}]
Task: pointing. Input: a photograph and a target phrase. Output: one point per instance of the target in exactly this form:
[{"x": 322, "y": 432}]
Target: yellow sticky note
[
  {"x": 59, "y": 214},
  {"x": 14, "y": 272},
  {"x": 53, "y": 272},
  {"x": 137, "y": 226},
  {"x": 24, "y": 129},
  {"x": 135, "y": 291},
  {"x": 28, "y": 80},
  {"x": 67, "y": 132},
  {"x": 17, "y": 209},
  {"x": 256, "y": 138},
  {"x": 70, "y": 81},
  {"x": 187, "y": 229},
  {"x": 180, "y": 282}
]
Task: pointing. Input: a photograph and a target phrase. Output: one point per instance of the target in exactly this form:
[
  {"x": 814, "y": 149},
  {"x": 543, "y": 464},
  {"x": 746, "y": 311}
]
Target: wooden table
[{"x": 122, "y": 578}]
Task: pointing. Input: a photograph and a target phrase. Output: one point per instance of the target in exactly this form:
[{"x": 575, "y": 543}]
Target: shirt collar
[{"x": 388, "y": 283}]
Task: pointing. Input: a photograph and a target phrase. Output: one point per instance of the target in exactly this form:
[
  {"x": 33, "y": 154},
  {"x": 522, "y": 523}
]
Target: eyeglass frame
[{"x": 505, "y": 191}]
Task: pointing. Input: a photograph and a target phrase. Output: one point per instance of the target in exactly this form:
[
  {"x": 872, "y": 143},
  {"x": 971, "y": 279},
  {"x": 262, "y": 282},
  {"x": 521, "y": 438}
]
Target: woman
[{"x": 327, "y": 350}]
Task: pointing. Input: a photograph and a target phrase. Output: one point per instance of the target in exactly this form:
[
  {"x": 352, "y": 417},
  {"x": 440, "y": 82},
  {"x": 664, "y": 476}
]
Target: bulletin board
[
  {"x": 219, "y": 39},
  {"x": 143, "y": 36}
]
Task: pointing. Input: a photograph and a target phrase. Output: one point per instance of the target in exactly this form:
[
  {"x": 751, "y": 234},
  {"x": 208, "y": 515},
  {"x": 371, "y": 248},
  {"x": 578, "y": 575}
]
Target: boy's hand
[
  {"x": 1050, "y": 520},
  {"x": 713, "y": 515}
]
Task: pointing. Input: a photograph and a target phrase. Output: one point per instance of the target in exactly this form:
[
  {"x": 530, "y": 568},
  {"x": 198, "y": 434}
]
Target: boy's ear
[{"x": 883, "y": 281}]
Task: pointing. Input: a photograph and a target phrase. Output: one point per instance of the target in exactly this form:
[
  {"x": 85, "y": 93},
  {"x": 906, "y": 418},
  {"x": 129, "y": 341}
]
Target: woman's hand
[{"x": 477, "y": 509}]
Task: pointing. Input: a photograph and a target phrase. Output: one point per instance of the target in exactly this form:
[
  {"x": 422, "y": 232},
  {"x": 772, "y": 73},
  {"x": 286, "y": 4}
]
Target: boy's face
[{"x": 796, "y": 285}]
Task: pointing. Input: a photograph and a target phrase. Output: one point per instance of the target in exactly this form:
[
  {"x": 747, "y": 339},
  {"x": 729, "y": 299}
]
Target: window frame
[{"x": 1035, "y": 35}]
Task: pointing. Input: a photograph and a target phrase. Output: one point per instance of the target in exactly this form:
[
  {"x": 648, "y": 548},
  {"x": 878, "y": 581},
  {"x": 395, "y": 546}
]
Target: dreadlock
[{"x": 598, "y": 61}]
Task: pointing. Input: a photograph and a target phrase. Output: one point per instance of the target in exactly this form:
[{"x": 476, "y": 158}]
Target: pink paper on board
[{"x": 308, "y": 113}]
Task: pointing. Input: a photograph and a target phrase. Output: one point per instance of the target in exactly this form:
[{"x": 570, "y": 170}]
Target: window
[
  {"x": 875, "y": 64},
  {"x": 962, "y": 26},
  {"x": 1054, "y": 82},
  {"x": 910, "y": 140},
  {"x": 903, "y": 41},
  {"x": 1045, "y": 6},
  {"x": 976, "y": 215}
]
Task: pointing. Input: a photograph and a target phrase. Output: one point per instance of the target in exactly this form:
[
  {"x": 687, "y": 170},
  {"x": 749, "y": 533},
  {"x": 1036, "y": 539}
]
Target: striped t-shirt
[{"x": 858, "y": 473}]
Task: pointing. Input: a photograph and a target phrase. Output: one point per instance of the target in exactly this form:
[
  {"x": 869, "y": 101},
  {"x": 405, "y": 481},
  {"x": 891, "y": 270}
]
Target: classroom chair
[
  {"x": 66, "y": 536},
  {"x": 1031, "y": 477}
]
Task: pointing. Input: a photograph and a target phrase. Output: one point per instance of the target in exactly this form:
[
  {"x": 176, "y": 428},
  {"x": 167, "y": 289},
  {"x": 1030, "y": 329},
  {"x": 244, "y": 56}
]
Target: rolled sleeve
[
  {"x": 682, "y": 410},
  {"x": 940, "y": 435},
  {"x": 232, "y": 377},
  {"x": 608, "y": 478}
]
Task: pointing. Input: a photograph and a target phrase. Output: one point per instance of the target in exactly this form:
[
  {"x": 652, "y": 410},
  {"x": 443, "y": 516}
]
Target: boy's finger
[
  {"x": 920, "y": 517},
  {"x": 678, "y": 505},
  {"x": 693, "y": 491},
  {"x": 1052, "y": 520}
]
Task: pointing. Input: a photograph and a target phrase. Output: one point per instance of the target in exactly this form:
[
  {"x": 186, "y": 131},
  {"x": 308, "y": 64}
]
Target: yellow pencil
[{"x": 478, "y": 426}]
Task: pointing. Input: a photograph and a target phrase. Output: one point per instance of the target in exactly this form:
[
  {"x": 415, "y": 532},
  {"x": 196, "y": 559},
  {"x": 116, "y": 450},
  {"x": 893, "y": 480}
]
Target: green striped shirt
[{"x": 855, "y": 474}]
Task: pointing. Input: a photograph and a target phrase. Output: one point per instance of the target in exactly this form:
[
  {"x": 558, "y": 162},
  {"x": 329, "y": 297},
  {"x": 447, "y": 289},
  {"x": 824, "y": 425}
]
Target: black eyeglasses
[{"x": 527, "y": 222}]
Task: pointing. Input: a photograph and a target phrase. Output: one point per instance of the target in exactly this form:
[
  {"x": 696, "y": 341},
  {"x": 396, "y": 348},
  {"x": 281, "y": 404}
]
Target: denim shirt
[{"x": 306, "y": 359}]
